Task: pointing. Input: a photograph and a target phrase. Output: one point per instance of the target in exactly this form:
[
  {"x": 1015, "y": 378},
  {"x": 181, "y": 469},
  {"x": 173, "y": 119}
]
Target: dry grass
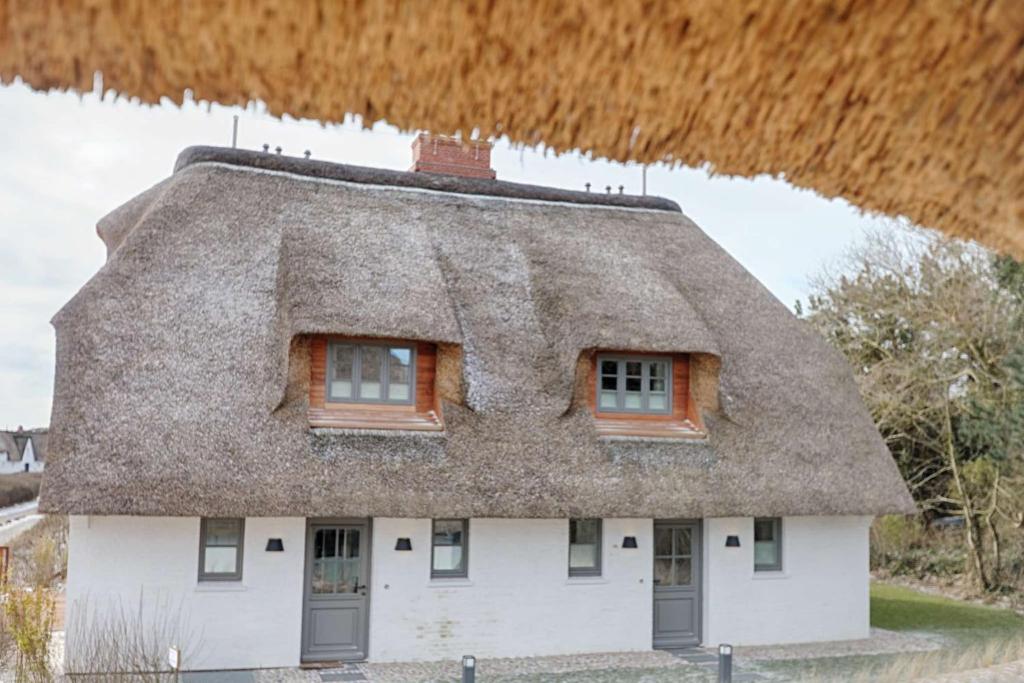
[
  {"x": 39, "y": 556},
  {"x": 925, "y": 666},
  {"x": 19, "y": 488},
  {"x": 113, "y": 641}
]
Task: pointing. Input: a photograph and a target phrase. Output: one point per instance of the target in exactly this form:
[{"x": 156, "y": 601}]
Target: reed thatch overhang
[
  {"x": 182, "y": 376},
  {"x": 902, "y": 107}
]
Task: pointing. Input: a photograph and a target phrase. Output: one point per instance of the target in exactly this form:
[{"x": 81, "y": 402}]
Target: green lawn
[
  {"x": 902, "y": 609},
  {"x": 962, "y": 625}
]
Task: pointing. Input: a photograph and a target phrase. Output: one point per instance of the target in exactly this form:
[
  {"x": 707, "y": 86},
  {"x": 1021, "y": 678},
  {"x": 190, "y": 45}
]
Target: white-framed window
[
  {"x": 449, "y": 549},
  {"x": 221, "y": 543},
  {"x": 634, "y": 384},
  {"x": 584, "y": 547},
  {"x": 368, "y": 372},
  {"x": 767, "y": 544}
]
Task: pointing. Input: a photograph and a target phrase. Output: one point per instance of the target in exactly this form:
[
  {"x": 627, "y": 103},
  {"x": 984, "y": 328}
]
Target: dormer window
[
  {"x": 635, "y": 384},
  {"x": 643, "y": 394},
  {"x": 358, "y": 383},
  {"x": 370, "y": 373}
]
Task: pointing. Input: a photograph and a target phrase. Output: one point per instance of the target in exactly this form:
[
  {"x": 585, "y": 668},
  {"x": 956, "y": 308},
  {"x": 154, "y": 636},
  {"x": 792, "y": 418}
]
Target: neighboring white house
[
  {"x": 310, "y": 412},
  {"x": 23, "y": 450}
]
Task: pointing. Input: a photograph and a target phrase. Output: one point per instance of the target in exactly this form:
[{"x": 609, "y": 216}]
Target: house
[
  {"x": 23, "y": 450},
  {"x": 335, "y": 413}
]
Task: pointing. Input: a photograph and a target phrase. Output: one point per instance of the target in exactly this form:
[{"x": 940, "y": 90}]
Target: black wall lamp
[
  {"x": 403, "y": 544},
  {"x": 732, "y": 541},
  {"x": 629, "y": 542},
  {"x": 274, "y": 545}
]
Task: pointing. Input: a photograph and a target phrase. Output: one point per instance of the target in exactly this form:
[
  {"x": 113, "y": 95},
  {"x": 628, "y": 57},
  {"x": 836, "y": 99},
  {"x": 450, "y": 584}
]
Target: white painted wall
[
  {"x": 254, "y": 623},
  {"x": 518, "y": 599},
  {"x": 821, "y": 593}
]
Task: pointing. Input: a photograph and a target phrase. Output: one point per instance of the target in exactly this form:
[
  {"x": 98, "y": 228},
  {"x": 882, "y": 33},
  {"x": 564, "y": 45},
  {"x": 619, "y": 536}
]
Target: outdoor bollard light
[
  {"x": 725, "y": 663},
  {"x": 468, "y": 669}
]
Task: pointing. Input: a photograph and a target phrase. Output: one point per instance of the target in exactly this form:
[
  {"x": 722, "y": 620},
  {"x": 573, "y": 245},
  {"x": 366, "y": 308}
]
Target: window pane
[
  {"x": 764, "y": 530},
  {"x": 399, "y": 374},
  {"x": 341, "y": 368},
  {"x": 348, "y": 571},
  {"x": 222, "y": 532},
  {"x": 657, "y": 402},
  {"x": 662, "y": 541},
  {"x": 683, "y": 542},
  {"x": 370, "y": 361},
  {"x": 328, "y": 545},
  {"x": 663, "y": 572},
  {"x": 765, "y": 553},
  {"x": 609, "y": 383},
  {"x": 220, "y": 560},
  {"x": 608, "y": 399},
  {"x": 584, "y": 543},
  {"x": 448, "y": 555},
  {"x": 634, "y": 368},
  {"x": 609, "y": 367},
  {"x": 632, "y": 400},
  {"x": 658, "y": 370},
  {"x": 683, "y": 570}
]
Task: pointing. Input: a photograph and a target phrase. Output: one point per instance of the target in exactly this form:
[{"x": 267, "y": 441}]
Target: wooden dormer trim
[
  {"x": 683, "y": 422},
  {"x": 423, "y": 414}
]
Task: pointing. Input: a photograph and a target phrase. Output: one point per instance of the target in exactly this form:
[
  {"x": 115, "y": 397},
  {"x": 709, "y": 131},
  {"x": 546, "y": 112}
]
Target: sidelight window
[
  {"x": 767, "y": 544},
  {"x": 449, "y": 552},
  {"x": 584, "y": 547},
  {"x": 220, "y": 549}
]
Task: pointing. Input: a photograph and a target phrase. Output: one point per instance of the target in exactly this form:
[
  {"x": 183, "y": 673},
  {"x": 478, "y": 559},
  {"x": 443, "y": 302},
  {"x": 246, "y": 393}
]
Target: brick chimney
[{"x": 448, "y": 156}]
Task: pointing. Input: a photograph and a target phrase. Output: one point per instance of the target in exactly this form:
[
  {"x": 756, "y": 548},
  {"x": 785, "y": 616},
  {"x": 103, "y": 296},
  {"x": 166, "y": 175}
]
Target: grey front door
[
  {"x": 676, "y": 584},
  {"x": 335, "y": 608}
]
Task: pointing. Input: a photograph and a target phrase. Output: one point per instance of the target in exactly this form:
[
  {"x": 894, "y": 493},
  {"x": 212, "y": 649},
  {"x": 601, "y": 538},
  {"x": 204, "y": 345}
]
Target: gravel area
[
  {"x": 596, "y": 667},
  {"x": 881, "y": 642}
]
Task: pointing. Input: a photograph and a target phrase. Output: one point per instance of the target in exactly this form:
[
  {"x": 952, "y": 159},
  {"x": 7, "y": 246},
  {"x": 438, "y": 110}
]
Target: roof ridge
[{"x": 329, "y": 170}]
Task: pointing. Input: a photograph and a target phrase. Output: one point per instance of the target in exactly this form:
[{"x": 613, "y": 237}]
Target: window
[
  {"x": 584, "y": 547},
  {"x": 370, "y": 373},
  {"x": 220, "y": 549},
  {"x": 449, "y": 551},
  {"x": 768, "y": 544},
  {"x": 634, "y": 384}
]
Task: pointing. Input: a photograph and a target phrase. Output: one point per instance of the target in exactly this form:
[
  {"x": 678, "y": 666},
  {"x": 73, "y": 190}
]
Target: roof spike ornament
[
  {"x": 278, "y": 149},
  {"x": 307, "y": 154},
  {"x": 587, "y": 185},
  {"x": 266, "y": 148}
]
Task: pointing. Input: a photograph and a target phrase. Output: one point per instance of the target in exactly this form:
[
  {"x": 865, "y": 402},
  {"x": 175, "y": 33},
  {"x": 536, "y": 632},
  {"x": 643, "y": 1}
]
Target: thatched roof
[
  {"x": 14, "y": 443},
  {"x": 182, "y": 371},
  {"x": 901, "y": 107}
]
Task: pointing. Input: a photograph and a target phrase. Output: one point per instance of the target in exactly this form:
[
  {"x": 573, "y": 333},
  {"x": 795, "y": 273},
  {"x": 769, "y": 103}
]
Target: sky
[{"x": 66, "y": 161}]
